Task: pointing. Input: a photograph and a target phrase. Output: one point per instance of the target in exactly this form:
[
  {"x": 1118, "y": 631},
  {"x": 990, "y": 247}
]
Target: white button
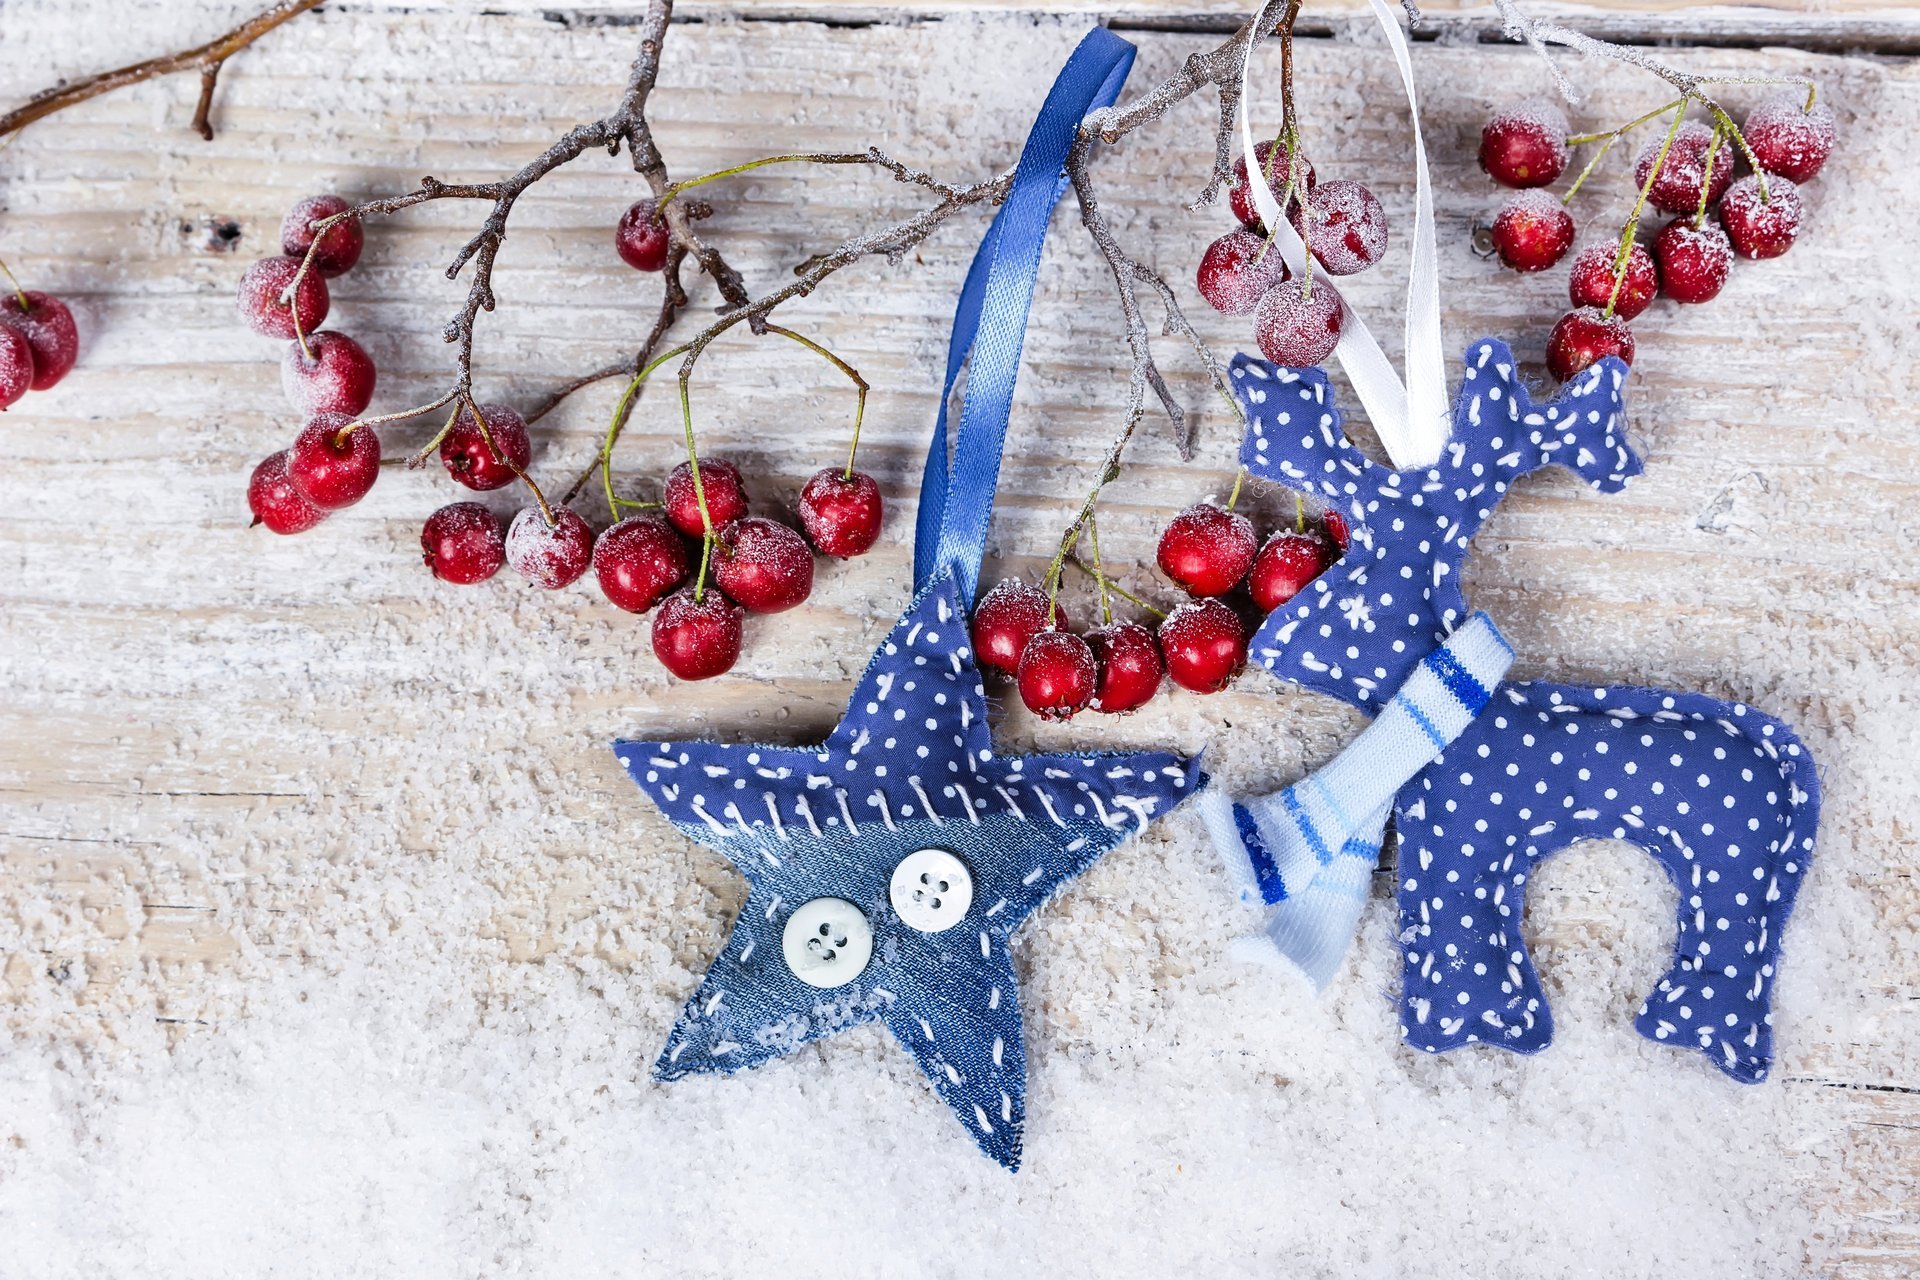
[
  {"x": 827, "y": 942},
  {"x": 931, "y": 890}
]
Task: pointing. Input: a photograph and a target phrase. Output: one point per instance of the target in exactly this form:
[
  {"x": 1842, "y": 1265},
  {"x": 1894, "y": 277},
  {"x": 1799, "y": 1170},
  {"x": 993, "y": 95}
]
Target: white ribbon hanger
[{"x": 1411, "y": 417}]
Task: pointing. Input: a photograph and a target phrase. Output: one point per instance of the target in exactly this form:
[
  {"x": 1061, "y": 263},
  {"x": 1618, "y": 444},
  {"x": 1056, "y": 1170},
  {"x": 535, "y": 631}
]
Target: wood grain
[{"x": 204, "y": 725}]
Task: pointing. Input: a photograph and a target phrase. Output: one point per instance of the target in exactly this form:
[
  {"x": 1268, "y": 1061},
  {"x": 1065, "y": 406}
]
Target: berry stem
[
  {"x": 1108, "y": 584},
  {"x": 603, "y": 461},
  {"x": 1625, "y": 250},
  {"x": 432, "y": 446},
  {"x": 298, "y": 333},
  {"x": 860, "y": 387},
  {"x": 1239, "y": 482},
  {"x": 699, "y": 486},
  {"x": 1607, "y": 140},
  {"x": 18, "y": 292},
  {"x": 1106, "y": 604},
  {"x": 1299, "y": 514},
  {"x": 1706, "y": 179}
]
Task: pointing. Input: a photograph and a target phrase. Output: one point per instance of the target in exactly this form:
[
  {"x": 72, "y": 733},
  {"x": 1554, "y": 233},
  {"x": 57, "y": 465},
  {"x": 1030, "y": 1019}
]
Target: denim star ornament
[
  {"x": 889, "y": 867},
  {"x": 909, "y": 779}
]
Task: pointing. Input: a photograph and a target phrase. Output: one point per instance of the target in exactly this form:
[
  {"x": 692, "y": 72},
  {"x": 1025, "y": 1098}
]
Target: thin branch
[{"x": 205, "y": 58}]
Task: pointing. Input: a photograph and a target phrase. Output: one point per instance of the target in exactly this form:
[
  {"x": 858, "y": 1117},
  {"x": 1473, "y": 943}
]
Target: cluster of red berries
[
  {"x": 38, "y": 342},
  {"x": 745, "y": 562},
  {"x": 1296, "y": 322},
  {"x": 1525, "y": 146},
  {"x": 1210, "y": 553}
]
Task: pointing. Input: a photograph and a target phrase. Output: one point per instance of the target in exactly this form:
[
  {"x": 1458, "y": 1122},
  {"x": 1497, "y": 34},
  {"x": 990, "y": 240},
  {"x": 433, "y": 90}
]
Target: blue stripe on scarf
[
  {"x": 1298, "y": 813},
  {"x": 1459, "y": 681},
  {"x": 1266, "y": 871}
]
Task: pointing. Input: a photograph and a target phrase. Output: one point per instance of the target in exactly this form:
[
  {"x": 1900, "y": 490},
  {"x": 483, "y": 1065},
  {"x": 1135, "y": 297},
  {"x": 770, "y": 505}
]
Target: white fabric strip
[{"x": 1410, "y": 417}]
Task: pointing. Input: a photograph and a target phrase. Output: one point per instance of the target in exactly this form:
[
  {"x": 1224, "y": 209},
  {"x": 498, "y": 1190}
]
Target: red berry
[
  {"x": 332, "y": 466},
  {"x": 642, "y": 238},
  {"x": 339, "y": 378},
  {"x": 1006, "y": 618},
  {"x": 1206, "y": 550},
  {"x": 1345, "y": 225},
  {"x": 260, "y": 304},
  {"x": 1131, "y": 667},
  {"x": 1677, "y": 189},
  {"x": 1584, "y": 336},
  {"x": 1205, "y": 645},
  {"x": 726, "y": 496},
  {"x": 462, "y": 543},
  {"x": 339, "y": 248},
  {"x": 1532, "y": 231},
  {"x": 16, "y": 365},
  {"x": 1240, "y": 196},
  {"x": 1057, "y": 675},
  {"x": 695, "y": 639},
  {"x": 841, "y": 512},
  {"x": 638, "y": 561},
  {"x": 762, "y": 564},
  {"x": 1234, "y": 274},
  {"x": 468, "y": 457},
  {"x": 1284, "y": 566},
  {"x": 549, "y": 555},
  {"x": 1592, "y": 282},
  {"x": 1298, "y": 329},
  {"x": 1335, "y": 526},
  {"x": 1787, "y": 140},
  {"x": 276, "y": 501},
  {"x": 47, "y": 326},
  {"x": 1694, "y": 261},
  {"x": 1525, "y": 145},
  {"x": 1759, "y": 228}
]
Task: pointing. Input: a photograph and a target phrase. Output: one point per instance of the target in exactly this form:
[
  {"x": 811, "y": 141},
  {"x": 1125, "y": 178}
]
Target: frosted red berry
[
  {"x": 1334, "y": 525},
  {"x": 764, "y": 565},
  {"x": 1532, "y": 231},
  {"x": 462, "y": 543},
  {"x": 478, "y": 465},
  {"x": 1207, "y": 550},
  {"x": 1204, "y": 644},
  {"x": 48, "y": 327},
  {"x": 1234, "y": 274},
  {"x": 1345, "y": 226},
  {"x": 276, "y": 501},
  {"x": 1297, "y": 328},
  {"x": 1057, "y": 675},
  {"x": 1591, "y": 283},
  {"x": 1761, "y": 227},
  {"x": 642, "y": 238},
  {"x": 1130, "y": 664},
  {"x": 16, "y": 366},
  {"x": 1787, "y": 140},
  {"x": 1584, "y": 336},
  {"x": 1240, "y": 196},
  {"x": 1525, "y": 144},
  {"x": 332, "y": 466},
  {"x": 1677, "y": 189},
  {"x": 697, "y": 639},
  {"x": 549, "y": 555},
  {"x": 726, "y": 496},
  {"x": 1694, "y": 261},
  {"x": 1006, "y": 619},
  {"x": 338, "y": 379},
  {"x": 841, "y": 512},
  {"x": 340, "y": 245},
  {"x": 260, "y": 305},
  {"x": 1285, "y": 565},
  {"x": 638, "y": 561}
]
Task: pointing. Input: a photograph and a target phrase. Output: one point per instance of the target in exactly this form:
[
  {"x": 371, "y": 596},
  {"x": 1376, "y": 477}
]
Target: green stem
[
  {"x": 1706, "y": 179},
  {"x": 791, "y": 158},
  {"x": 25, "y": 307},
  {"x": 1639, "y": 206},
  {"x": 1106, "y": 605},
  {"x": 699, "y": 488},
  {"x": 1108, "y": 584},
  {"x": 1239, "y": 480},
  {"x": 605, "y": 460},
  {"x": 860, "y": 387}
]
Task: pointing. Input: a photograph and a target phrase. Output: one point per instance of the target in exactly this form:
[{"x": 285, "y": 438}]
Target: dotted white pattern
[
  {"x": 1726, "y": 799},
  {"x": 911, "y": 766}
]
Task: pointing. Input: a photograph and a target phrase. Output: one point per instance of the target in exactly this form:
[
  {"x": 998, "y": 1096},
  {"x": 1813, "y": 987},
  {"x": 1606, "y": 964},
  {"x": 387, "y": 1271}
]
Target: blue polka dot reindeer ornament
[
  {"x": 1484, "y": 778},
  {"x": 888, "y": 868}
]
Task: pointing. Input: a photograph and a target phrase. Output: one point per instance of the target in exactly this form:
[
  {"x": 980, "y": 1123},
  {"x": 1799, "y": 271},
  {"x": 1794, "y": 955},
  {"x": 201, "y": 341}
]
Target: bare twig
[{"x": 206, "y": 58}]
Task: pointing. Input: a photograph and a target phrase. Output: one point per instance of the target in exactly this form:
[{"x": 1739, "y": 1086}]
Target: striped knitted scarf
[{"x": 1309, "y": 851}]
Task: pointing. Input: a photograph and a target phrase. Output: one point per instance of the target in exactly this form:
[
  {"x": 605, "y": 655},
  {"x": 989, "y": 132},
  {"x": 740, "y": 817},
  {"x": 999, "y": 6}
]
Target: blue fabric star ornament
[{"x": 909, "y": 777}]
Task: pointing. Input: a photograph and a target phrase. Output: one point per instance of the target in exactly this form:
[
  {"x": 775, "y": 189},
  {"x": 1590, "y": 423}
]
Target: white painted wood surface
[{"x": 239, "y": 771}]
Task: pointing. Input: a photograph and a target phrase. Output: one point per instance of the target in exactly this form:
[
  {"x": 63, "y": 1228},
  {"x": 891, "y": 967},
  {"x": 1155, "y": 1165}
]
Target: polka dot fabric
[
  {"x": 1360, "y": 628},
  {"x": 1726, "y": 799},
  {"x": 911, "y": 766}
]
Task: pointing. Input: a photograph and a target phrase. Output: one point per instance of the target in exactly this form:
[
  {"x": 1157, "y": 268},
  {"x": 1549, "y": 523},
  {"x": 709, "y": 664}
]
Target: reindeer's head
[{"x": 1358, "y": 630}]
